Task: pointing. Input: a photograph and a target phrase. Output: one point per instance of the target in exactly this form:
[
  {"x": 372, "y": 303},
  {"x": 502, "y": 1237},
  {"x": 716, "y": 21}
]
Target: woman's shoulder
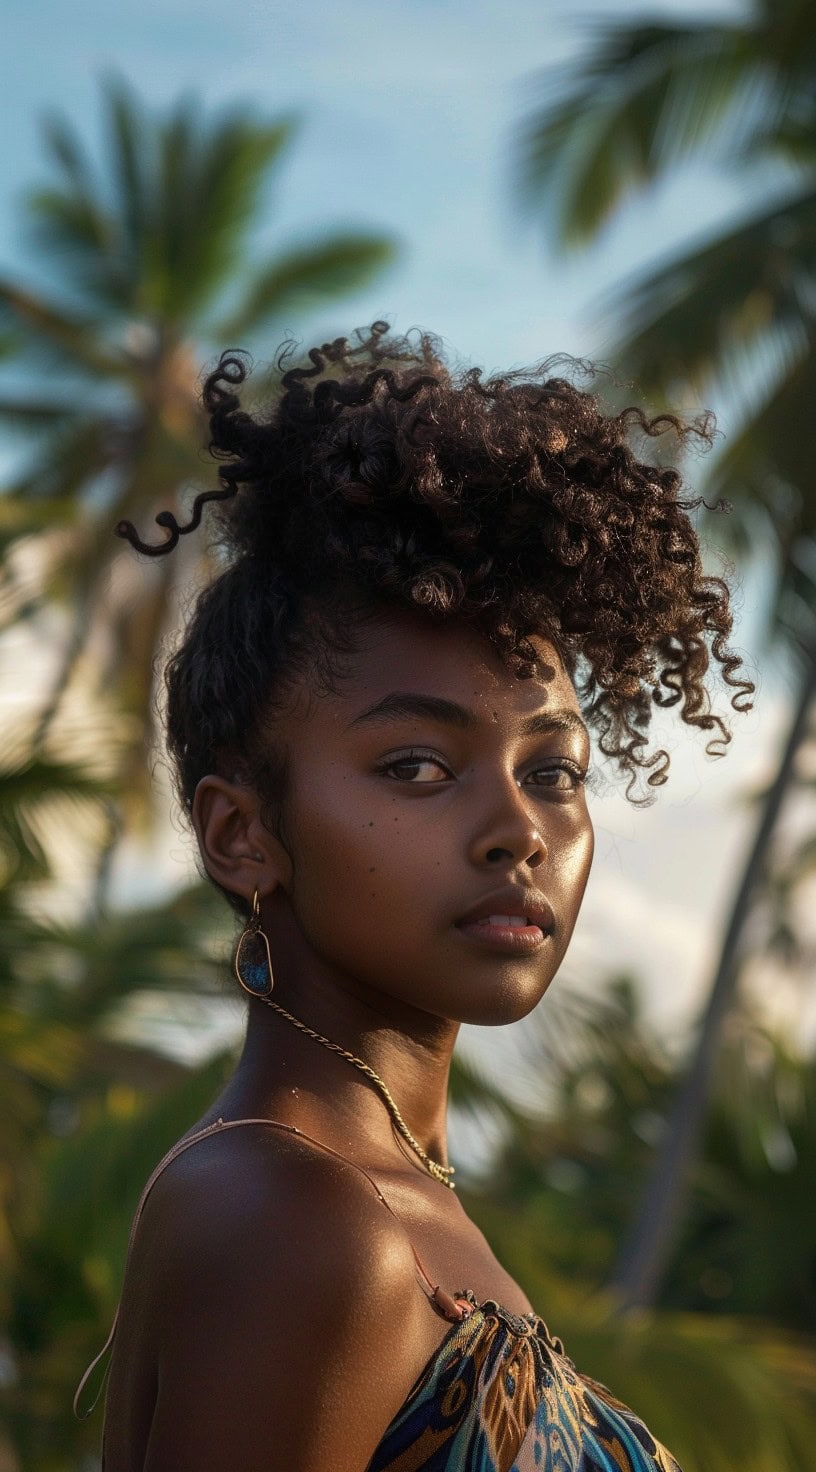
[
  {"x": 219, "y": 1198},
  {"x": 268, "y": 1283}
]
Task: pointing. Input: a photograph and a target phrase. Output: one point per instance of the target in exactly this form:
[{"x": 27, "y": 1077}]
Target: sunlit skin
[{"x": 395, "y": 827}]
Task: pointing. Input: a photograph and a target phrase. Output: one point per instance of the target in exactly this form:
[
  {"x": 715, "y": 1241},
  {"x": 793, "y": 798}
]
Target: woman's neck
[{"x": 287, "y": 1075}]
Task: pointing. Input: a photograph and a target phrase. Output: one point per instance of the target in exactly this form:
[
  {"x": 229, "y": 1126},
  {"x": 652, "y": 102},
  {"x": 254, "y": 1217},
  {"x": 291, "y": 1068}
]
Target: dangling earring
[{"x": 253, "y": 963}]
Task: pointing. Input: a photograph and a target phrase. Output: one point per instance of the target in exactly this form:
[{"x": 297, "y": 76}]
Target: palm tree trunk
[{"x": 638, "y": 1276}]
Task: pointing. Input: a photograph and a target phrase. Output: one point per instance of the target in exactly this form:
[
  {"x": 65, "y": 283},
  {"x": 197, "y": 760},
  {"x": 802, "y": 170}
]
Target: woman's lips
[
  {"x": 514, "y": 919},
  {"x": 504, "y": 933}
]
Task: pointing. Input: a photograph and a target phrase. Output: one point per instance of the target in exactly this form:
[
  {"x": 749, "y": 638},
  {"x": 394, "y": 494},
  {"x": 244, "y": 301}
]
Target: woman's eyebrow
[{"x": 400, "y": 705}]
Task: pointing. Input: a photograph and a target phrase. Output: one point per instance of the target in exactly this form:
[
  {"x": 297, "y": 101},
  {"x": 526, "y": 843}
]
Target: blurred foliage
[
  {"x": 150, "y": 261},
  {"x": 567, "y": 1180},
  {"x": 84, "y": 1110}
]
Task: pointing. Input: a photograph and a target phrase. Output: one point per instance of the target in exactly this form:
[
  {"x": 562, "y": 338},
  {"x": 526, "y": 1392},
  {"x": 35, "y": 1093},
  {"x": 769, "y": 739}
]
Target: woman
[{"x": 380, "y": 717}]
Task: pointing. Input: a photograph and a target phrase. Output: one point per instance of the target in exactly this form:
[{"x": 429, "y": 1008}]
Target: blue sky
[
  {"x": 409, "y": 119},
  {"x": 409, "y": 113}
]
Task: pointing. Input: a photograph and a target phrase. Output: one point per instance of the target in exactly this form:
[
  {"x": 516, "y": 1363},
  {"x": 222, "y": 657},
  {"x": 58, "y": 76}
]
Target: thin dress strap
[{"x": 453, "y": 1309}]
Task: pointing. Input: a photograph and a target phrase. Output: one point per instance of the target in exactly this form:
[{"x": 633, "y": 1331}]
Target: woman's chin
[{"x": 499, "y": 1008}]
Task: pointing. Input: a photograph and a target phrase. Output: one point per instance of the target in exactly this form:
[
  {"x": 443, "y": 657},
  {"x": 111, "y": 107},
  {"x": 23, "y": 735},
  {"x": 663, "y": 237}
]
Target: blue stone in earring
[{"x": 253, "y": 963}]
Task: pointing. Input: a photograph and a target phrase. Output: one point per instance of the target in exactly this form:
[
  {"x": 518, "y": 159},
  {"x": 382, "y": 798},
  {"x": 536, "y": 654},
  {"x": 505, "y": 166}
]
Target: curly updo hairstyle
[{"x": 380, "y": 478}]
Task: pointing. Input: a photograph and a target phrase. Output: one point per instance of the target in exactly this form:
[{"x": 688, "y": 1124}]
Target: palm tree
[
  {"x": 734, "y": 314},
  {"x": 152, "y": 267}
]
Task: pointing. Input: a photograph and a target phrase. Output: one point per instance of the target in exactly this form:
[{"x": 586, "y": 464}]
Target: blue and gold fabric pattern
[{"x": 501, "y": 1395}]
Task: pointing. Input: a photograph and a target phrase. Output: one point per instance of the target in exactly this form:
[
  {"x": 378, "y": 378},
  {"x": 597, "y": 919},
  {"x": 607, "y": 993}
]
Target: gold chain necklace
[
  {"x": 252, "y": 965},
  {"x": 439, "y": 1172}
]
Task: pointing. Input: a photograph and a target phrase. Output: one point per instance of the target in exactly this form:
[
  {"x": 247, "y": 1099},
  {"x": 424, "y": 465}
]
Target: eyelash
[{"x": 414, "y": 758}]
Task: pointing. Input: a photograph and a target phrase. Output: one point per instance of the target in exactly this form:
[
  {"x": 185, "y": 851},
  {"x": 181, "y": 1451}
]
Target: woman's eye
[
  {"x": 415, "y": 768},
  {"x": 564, "y": 777}
]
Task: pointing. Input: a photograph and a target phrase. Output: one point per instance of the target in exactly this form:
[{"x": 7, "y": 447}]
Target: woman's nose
[
  {"x": 510, "y": 835},
  {"x": 536, "y": 856}
]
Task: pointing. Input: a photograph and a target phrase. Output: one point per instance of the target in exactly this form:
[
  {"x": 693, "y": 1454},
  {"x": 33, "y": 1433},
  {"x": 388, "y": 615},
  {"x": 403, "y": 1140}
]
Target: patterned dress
[{"x": 500, "y": 1395}]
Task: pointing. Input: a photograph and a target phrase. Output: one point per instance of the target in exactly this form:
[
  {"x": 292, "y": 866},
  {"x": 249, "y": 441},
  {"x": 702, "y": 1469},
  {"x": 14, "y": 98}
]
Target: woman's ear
[{"x": 238, "y": 851}]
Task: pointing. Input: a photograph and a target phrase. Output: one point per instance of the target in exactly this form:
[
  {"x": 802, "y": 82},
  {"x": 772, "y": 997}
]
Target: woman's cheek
[
  {"x": 573, "y": 872},
  {"x": 345, "y": 846},
  {"x": 586, "y": 851}
]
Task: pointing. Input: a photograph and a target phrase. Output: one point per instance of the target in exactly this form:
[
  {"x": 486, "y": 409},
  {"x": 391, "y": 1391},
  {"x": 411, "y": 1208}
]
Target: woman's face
[{"x": 433, "y": 784}]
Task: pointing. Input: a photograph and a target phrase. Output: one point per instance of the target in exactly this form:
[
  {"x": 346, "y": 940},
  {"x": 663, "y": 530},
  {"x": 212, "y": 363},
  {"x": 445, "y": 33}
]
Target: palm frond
[
  {"x": 46, "y": 324},
  {"x": 644, "y": 97},
  {"x": 30, "y": 415},
  {"x": 23, "y": 790},
  {"x": 768, "y": 463},
  {"x": 74, "y": 223},
  {"x": 131, "y": 142},
  {"x": 41, "y": 777},
  {"x": 68, "y": 225},
  {"x": 223, "y": 194},
  {"x": 206, "y": 193},
  {"x": 687, "y": 319},
  {"x": 307, "y": 277},
  {"x": 67, "y": 152},
  {"x": 75, "y": 451},
  {"x": 177, "y": 947}
]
